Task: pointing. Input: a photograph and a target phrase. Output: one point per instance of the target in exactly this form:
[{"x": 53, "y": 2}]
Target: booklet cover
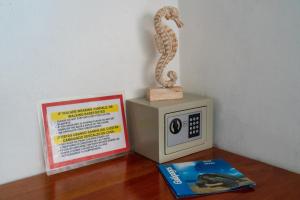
[{"x": 203, "y": 177}]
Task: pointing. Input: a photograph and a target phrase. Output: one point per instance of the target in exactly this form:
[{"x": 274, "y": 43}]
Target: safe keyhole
[{"x": 175, "y": 126}]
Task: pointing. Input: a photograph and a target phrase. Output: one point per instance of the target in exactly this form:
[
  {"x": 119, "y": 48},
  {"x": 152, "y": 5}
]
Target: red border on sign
[{"x": 53, "y": 165}]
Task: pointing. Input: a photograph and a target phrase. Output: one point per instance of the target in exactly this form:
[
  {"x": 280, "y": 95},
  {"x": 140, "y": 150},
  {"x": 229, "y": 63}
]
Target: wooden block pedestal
[{"x": 156, "y": 94}]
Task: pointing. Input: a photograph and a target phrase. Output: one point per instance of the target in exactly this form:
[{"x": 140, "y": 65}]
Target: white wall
[
  {"x": 245, "y": 54},
  {"x": 55, "y": 49}
]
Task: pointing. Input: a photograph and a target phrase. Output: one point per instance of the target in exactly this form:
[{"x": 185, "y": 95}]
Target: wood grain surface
[
  {"x": 135, "y": 177},
  {"x": 157, "y": 94}
]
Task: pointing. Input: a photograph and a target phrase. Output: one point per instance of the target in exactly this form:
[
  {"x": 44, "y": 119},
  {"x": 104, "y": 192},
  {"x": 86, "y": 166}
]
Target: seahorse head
[{"x": 172, "y": 13}]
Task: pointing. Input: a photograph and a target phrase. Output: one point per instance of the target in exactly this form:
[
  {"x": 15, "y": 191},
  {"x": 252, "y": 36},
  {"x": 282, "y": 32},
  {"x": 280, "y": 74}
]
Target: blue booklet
[{"x": 203, "y": 177}]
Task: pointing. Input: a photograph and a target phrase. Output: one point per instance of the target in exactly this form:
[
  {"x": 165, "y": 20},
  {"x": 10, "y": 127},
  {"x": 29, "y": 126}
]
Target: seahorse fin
[{"x": 159, "y": 44}]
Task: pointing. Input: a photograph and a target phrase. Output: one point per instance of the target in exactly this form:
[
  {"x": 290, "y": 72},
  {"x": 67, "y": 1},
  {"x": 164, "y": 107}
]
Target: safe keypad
[{"x": 194, "y": 125}]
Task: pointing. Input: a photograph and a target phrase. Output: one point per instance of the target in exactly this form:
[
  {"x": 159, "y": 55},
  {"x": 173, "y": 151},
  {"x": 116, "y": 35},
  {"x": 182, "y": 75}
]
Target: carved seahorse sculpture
[{"x": 166, "y": 43}]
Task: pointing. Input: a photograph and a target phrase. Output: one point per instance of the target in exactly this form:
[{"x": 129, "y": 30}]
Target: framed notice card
[{"x": 78, "y": 132}]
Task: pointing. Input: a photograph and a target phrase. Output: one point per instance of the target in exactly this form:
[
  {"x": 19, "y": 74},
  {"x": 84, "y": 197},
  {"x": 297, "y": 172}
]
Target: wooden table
[{"x": 135, "y": 177}]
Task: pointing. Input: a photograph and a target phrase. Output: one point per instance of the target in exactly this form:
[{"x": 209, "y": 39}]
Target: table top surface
[{"x": 136, "y": 177}]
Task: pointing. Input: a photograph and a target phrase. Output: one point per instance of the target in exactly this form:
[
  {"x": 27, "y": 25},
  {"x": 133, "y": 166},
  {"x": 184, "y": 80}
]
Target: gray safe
[{"x": 169, "y": 129}]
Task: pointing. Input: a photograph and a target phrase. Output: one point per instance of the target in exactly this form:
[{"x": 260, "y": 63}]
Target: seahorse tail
[
  {"x": 162, "y": 62},
  {"x": 173, "y": 78},
  {"x": 159, "y": 69}
]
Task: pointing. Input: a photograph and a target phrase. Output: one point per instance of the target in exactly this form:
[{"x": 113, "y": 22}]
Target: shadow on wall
[{"x": 148, "y": 45}]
